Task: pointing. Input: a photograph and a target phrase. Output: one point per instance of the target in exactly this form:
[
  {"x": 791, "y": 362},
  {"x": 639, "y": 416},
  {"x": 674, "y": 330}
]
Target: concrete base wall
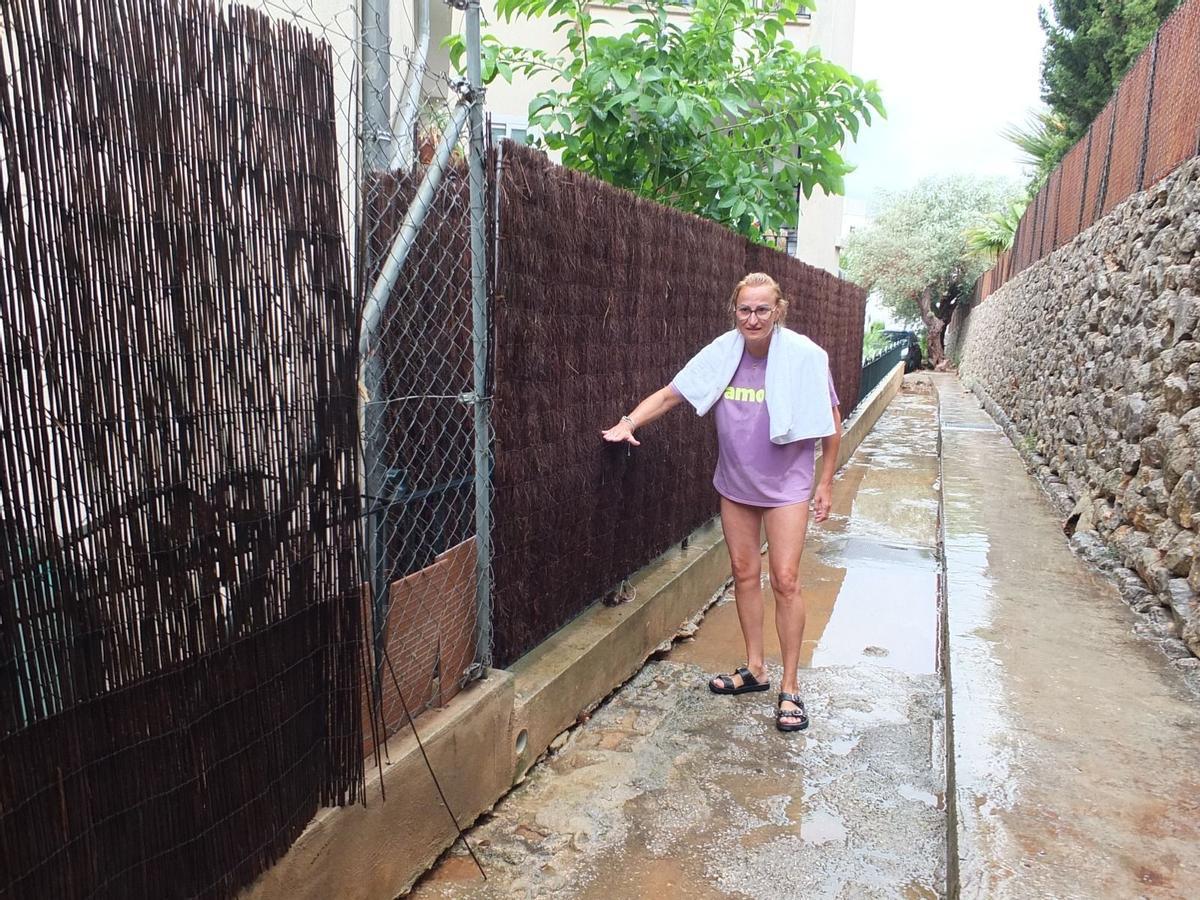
[{"x": 489, "y": 736}]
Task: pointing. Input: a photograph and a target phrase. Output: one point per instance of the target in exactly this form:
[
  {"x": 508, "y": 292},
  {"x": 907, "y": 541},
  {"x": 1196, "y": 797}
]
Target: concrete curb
[{"x": 489, "y": 736}]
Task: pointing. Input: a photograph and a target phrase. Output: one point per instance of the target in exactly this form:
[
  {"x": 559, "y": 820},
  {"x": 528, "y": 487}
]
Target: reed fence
[{"x": 179, "y": 618}]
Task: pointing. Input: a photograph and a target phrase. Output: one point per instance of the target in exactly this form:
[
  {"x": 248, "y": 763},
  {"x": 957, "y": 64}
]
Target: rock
[
  {"x": 1177, "y": 394},
  {"x": 1083, "y": 514},
  {"x": 1180, "y": 553},
  {"x": 1180, "y": 458},
  {"x": 1182, "y": 505},
  {"x": 1183, "y": 315},
  {"x": 1133, "y": 417},
  {"x": 1191, "y": 635},
  {"x": 1149, "y": 564},
  {"x": 1152, "y": 450},
  {"x": 1175, "y": 648},
  {"x": 1180, "y": 597}
]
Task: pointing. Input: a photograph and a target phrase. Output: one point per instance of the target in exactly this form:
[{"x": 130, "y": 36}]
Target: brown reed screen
[
  {"x": 601, "y": 298},
  {"x": 1149, "y": 128},
  {"x": 179, "y": 624}
]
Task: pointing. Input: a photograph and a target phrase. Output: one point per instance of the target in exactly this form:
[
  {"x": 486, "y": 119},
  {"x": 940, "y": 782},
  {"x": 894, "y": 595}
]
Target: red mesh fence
[
  {"x": 601, "y": 298},
  {"x": 1124, "y": 175},
  {"x": 1070, "y": 194},
  {"x": 1175, "y": 104},
  {"x": 1149, "y": 127}
]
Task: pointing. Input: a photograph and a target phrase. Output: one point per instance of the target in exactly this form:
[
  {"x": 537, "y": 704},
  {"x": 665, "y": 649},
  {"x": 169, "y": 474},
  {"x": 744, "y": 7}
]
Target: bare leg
[
  {"x": 787, "y": 527},
  {"x": 743, "y": 539}
]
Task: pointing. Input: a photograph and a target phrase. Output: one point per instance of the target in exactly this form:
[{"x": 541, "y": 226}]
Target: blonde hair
[{"x": 758, "y": 279}]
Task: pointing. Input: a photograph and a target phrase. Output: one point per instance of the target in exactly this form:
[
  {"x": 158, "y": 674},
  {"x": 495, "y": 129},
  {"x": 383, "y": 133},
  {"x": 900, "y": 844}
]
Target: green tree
[
  {"x": 1043, "y": 141},
  {"x": 873, "y": 339},
  {"x": 996, "y": 233},
  {"x": 915, "y": 253},
  {"x": 723, "y": 116},
  {"x": 1089, "y": 46}
]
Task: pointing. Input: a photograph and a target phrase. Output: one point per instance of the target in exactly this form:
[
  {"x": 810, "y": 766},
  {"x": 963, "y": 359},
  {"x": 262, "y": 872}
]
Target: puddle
[
  {"x": 908, "y": 792},
  {"x": 883, "y": 616},
  {"x": 843, "y": 746},
  {"x": 822, "y": 827},
  {"x": 867, "y": 613}
]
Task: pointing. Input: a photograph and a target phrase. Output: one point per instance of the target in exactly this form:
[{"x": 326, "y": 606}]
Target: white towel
[{"x": 797, "y": 382}]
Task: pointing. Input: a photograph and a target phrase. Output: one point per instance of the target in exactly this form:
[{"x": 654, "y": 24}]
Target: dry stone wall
[{"x": 1091, "y": 358}]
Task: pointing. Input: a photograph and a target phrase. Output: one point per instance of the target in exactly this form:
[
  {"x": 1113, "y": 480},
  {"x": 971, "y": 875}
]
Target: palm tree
[
  {"x": 995, "y": 235},
  {"x": 1044, "y": 141}
]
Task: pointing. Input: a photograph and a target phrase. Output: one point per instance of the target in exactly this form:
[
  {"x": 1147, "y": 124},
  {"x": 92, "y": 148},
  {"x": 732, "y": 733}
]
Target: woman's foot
[
  {"x": 742, "y": 681},
  {"x": 790, "y": 714}
]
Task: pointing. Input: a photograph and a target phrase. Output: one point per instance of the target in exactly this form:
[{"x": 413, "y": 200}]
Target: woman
[{"x": 773, "y": 396}]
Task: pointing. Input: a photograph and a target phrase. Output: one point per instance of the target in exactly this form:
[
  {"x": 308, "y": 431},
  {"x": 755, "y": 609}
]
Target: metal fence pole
[
  {"x": 374, "y": 128},
  {"x": 380, "y": 488},
  {"x": 479, "y": 335},
  {"x": 376, "y": 40}
]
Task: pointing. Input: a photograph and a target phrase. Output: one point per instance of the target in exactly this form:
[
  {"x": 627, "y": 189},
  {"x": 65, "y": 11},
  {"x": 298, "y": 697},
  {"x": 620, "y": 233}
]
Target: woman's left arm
[{"x": 830, "y": 444}]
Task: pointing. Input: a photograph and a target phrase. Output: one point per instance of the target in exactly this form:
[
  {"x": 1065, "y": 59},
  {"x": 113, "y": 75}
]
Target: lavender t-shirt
[{"x": 751, "y": 469}]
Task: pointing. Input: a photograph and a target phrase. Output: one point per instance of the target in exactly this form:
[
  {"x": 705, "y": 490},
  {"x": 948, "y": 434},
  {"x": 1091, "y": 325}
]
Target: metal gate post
[{"x": 479, "y": 334}]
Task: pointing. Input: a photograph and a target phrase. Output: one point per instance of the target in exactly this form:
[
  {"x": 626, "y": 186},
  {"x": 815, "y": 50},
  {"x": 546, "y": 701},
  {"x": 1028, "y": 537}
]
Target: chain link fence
[
  {"x": 1149, "y": 127},
  {"x": 405, "y": 122}
]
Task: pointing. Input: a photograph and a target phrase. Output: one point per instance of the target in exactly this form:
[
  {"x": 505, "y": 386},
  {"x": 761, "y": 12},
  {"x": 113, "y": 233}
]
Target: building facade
[{"x": 817, "y": 236}]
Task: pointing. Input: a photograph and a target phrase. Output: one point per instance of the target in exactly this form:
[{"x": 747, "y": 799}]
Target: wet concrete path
[
  {"x": 671, "y": 791},
  {"x": 1077, "y": 745}
]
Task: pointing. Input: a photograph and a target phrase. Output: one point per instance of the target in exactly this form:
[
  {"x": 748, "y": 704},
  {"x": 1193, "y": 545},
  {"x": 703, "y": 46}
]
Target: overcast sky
[{"x": 952, "y": 74}]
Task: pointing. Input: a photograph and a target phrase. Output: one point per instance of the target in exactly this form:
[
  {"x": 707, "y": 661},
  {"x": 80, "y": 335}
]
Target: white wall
[{"x": 819, "y": 230}]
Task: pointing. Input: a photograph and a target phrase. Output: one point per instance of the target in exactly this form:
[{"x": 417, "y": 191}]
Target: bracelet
[{"x": 629, "y": 420}]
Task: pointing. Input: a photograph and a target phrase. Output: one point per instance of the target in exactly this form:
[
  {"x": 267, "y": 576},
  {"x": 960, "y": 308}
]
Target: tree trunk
[
  {"x": 937, "y": 349},
  {"x": 933, "y": 328}
]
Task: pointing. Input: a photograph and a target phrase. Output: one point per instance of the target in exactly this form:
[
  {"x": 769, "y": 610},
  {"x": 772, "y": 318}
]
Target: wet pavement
[
  {"x": 670, "y": 791},
  {"x": 1077, "y": 744}
]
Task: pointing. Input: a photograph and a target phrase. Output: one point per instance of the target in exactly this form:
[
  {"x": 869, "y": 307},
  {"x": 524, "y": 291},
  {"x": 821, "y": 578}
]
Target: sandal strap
[
  {"x": 780, "y": 713},
  {"x": 726, "y": 682},
  {"x": 747, "y": 675}
]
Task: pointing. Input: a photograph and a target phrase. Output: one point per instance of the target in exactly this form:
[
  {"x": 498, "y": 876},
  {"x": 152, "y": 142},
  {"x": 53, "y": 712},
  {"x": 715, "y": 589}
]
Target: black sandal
[
  {"x": 749, "y": 683},
  {"x": 799, "y": 713}
]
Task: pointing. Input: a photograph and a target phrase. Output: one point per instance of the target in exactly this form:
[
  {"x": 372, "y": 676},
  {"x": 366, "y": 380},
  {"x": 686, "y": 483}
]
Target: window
[{"x": 509, "y": 127}]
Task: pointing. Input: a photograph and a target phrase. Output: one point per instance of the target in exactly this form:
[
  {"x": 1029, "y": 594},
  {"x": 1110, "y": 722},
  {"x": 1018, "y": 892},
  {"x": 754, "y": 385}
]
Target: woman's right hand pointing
[{"x": 622, "y": 431}]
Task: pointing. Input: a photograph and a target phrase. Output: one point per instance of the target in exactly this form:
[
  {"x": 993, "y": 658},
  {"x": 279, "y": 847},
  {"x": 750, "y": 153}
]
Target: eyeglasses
[{"x": 762, "y": 312}]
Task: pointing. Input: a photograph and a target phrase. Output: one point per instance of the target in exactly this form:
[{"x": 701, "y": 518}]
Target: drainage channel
[{"x": 943, "y": 597}]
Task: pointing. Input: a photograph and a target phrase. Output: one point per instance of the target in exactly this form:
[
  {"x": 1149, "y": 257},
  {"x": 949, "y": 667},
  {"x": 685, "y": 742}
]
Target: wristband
[{"x": 629, "y": 420}]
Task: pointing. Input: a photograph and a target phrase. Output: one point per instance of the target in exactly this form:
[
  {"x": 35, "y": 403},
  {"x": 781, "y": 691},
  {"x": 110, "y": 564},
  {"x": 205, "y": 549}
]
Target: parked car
[{"x": 911, "y": 352}]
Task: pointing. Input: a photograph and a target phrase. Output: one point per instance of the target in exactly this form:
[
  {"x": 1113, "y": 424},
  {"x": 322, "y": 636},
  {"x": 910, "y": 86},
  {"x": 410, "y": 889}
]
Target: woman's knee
[
  {"x": 785, "y": 585},
  {"x": 746, "y": 568}
]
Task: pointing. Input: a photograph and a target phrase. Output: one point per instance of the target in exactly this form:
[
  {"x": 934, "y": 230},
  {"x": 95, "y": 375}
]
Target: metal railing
[{"x": 878, "y": 366}]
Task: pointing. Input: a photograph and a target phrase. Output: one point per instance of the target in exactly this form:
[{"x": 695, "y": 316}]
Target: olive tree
[{"x": 916, "y": 253}]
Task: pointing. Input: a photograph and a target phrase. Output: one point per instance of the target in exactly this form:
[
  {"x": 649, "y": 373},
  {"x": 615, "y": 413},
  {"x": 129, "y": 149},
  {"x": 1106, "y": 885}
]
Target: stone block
[
  {"x": 1180, "y": 553},
  {"x": 1182, "y": 505}
]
